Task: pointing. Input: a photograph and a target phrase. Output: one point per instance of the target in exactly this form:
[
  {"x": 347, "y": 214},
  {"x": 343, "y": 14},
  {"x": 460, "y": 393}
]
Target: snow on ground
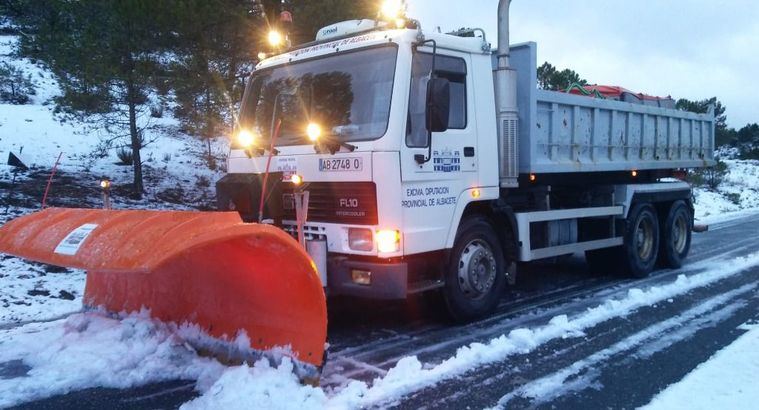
[
  {"x": 38, "y": 136},
  {"x": 736, "y": 195},
  {"x": 582, "y": 374},
  {"x": 87, "y": 350},
  {"x": 176, "y": 175},
  {"x": 35, "y": 292},
  {"x": 727, "y": 380}
]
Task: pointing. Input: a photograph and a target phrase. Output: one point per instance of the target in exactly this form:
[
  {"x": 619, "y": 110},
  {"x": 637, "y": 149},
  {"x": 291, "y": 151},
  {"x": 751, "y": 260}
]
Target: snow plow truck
[{"x": 383, "y": 160}]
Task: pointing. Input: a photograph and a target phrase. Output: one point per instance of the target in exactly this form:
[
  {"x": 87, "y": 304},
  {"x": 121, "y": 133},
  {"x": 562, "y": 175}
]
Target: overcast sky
[{"x": 685, "y": 48}]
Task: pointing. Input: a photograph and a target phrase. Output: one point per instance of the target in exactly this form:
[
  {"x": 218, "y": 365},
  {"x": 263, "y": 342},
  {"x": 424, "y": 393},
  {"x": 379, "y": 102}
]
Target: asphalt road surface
[{"x": 619, "y": 363}]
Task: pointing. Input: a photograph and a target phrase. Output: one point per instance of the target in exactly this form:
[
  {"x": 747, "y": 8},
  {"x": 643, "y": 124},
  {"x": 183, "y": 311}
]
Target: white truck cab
[{"x": 431, "y": 163}]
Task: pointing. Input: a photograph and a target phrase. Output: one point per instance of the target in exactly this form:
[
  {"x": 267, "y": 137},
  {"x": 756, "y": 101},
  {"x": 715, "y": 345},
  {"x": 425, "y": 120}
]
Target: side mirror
[{"x": 438, "y": 104}]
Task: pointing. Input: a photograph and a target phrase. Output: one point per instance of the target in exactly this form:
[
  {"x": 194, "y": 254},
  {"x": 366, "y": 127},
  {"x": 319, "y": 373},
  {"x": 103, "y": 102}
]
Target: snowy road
[{"x": 624, "y": 340}]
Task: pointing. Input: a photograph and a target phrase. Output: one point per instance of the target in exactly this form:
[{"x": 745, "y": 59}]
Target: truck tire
[
  {"x": 641, "y": 243},
  {"x": 475, "y": 277},
  {"x": 676, "y": 235}
]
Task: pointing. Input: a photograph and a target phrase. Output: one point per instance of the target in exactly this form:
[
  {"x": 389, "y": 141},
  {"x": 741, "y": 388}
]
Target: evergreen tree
[
  {"x": 15, "y": 87},
  {"x": 723, "y": 134},
  {"x": 550, "y": 78},
  {"x": 749, "y": 134},
  {"x": 106, "y": 55},
  {"x": 215, "y": 53}
]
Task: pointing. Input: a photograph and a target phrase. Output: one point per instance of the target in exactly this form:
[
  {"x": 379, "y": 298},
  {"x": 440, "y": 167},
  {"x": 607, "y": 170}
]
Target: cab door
[{"x": 431, "y": 189}]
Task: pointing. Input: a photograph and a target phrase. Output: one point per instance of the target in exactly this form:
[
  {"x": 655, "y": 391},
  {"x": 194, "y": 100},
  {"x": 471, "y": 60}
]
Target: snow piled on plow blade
[{"x": 92, "y": 350}]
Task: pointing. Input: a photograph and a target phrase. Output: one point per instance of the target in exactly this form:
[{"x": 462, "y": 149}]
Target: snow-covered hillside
[
  {"x": 176, "y": 177},
  {"x": 738, "y": 193},
  {"x": 38, "y": 136}
]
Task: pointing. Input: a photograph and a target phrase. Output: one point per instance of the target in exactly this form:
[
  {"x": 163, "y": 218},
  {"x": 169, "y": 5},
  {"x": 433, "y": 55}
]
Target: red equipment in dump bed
[{"x": 618, "y": 93}]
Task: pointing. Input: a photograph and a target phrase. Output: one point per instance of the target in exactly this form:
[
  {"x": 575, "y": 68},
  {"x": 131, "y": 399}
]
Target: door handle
[{"x": 468, "y": 151}]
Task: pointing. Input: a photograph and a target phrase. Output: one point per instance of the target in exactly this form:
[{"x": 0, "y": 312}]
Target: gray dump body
[{"x": 560, "y": 132}]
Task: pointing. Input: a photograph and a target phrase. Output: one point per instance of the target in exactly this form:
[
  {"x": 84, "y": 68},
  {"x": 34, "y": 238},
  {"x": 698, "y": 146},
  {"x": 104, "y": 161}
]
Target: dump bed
[{"x": 560, "y": 132}]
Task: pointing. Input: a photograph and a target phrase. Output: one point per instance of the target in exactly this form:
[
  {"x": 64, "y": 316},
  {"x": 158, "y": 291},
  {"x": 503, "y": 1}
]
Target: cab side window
[{"x": 451, "y": 68}]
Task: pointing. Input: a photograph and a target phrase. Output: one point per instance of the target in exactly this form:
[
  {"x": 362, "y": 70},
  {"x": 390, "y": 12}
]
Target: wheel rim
[
  {"x": 644, "y": 238},
  {"x": 476, "y": 269},
  {"x": 680, "y": 233}
]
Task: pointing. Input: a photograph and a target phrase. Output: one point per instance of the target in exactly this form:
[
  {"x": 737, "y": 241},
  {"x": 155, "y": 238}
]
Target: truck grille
[
  {"x": 310, "y": 232},
  {"x": 337, "y": 202}
]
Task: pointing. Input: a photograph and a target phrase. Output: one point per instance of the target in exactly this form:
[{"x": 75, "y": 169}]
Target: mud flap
[{"x": 204, "y": 268}]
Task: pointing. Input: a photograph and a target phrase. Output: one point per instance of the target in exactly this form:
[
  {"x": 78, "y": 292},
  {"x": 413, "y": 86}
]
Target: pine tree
[
  {"x": 106, "y": 55},
  {"x": 723, "y": 134},
  {"x": 15, "y": 87},
  {"x": 214, "y": 55},
  {"x": 550, "y": 78}
]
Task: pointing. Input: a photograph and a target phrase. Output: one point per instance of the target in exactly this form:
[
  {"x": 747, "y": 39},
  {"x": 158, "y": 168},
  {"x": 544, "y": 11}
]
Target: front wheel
[
  {"x": 641, "y": 243},
  {"x": 475, "y": 275}
]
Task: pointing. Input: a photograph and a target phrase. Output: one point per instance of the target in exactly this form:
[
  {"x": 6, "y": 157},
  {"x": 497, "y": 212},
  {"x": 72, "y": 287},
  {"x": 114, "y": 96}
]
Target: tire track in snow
[
  {"x": 435, "y": 344},
  {"x": 411, "y": 375},
  {"x": 581, "y": 375},
  {"x": 484, "y": 385}
]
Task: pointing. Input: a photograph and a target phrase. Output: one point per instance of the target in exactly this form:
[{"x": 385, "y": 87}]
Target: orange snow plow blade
[{"x": 203, "y": 268}]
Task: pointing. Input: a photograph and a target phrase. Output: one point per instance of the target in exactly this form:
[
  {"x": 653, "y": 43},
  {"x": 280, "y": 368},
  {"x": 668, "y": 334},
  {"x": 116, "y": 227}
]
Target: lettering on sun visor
[
  {"x": 335, "y": 44},
  {"x": 288, "y": 166}
]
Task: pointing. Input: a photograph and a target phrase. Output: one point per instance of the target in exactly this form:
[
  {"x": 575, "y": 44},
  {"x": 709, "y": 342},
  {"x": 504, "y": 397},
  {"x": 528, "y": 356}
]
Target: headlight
[
  {"x": 360, "y": 239},
  {"x": 392, "y": 9},
  {"x": 275, "y": 38},
  {"x": 246, "y": 138},
  {"x": 314, "y": 131},
  {"x": 388, "y": 241}
]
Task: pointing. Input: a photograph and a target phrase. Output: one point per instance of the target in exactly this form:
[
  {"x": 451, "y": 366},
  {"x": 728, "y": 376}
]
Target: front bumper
[{"x": 388, "y": 280}]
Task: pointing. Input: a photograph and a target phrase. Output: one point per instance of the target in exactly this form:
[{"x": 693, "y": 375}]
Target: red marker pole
[{"x": 50, "y": 180}]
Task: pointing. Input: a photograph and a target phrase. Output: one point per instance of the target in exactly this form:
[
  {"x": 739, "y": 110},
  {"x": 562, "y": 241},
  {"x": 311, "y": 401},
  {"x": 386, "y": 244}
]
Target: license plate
[{"x": 340, "y": 164}]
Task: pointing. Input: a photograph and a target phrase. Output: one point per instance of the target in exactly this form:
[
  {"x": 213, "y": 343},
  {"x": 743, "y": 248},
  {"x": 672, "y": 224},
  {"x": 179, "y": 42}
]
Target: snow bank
[
  {"x": 583, "y": 373},
  {"x": 90, "y": 350},
  {"x": 259, "y": 387},
  {"x": 727, "y": 380}
]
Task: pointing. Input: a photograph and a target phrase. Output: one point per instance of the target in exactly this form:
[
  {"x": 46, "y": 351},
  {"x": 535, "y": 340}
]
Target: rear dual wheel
[
  {"x": 676, "y": 235},
  {"x": 648, "y": 239},
  {"x": 638, "y": 254},
  {"x": 641, "y": 242}
]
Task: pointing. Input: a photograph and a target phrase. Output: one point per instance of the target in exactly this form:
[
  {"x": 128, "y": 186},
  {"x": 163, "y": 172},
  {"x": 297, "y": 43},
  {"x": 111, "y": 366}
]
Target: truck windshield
[{"x": 347, "y": 94}]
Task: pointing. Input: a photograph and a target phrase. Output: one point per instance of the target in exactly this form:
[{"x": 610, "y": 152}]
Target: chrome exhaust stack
[{"x": 506, "y": 102}]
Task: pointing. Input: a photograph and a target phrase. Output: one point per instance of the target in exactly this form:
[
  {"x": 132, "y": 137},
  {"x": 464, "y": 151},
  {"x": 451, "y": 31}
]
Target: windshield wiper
[{"x": 330, "y": 144}]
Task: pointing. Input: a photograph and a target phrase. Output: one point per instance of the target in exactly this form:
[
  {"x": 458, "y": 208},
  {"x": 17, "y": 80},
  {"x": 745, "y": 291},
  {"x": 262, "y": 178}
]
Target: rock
[
  {"x": 55, "y": 269},
  {"x": 66, "y": 295}
]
